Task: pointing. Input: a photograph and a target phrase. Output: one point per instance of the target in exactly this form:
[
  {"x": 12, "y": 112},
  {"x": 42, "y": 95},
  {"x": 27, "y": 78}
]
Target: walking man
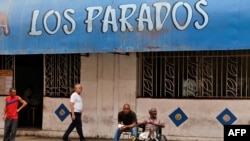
[
  {"x": 76, "y": 106},
  {"x": 10, "y": 115}
]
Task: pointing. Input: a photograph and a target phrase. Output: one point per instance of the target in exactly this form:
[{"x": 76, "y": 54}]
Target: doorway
[{"x": 29, "y": 85}]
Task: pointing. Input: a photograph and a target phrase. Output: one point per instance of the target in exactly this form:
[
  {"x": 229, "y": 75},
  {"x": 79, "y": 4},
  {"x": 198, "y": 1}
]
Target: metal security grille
[
  {"x": 213, "y": 74},
  {"x": 62, "y": 73},
  {"x": 7, "y": 62}
]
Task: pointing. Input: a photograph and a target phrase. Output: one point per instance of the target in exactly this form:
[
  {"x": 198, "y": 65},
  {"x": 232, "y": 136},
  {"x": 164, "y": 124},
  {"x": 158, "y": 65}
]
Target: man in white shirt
[{"x": 76, "y": 106}]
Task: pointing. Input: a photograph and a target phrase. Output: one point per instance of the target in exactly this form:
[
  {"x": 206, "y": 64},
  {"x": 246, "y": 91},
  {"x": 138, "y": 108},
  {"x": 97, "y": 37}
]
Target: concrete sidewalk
[{"x": 37, "y": 138}]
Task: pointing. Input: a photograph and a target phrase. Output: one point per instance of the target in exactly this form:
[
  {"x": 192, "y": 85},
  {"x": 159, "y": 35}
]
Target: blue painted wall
[{"x": 93, "y": 26}]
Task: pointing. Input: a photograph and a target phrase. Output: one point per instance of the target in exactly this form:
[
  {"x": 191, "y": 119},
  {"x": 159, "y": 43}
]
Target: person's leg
[
  {"x": 118, "y": 133},
  {"x": 7, "y": 129},
  {"x": 134, "y": 131},
  {"x": 69, "y": 130},
  {"x": 154, "y": 136},
  {"x": 79, "y": 126},
  {"x": 13, "y": 130}
]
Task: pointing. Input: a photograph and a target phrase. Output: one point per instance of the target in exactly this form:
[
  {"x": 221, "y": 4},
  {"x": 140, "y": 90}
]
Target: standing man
[
  {"x": 127, "y": 120},
  {"x": 76, "y": 106},
  {"x": 11, "y": 114}
]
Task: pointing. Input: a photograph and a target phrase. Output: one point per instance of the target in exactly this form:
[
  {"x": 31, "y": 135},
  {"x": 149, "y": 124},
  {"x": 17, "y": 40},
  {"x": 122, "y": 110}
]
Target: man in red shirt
[{"x": 10, "y": 116}]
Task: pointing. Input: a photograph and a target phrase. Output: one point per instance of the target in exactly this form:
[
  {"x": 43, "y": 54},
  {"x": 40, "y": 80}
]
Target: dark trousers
[
  {"x": 75, "y": 123},
  {"x": 10, "y": 127}
]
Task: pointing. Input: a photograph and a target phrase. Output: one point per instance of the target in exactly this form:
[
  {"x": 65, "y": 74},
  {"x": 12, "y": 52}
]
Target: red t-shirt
[{"x": 11, "y": 107}]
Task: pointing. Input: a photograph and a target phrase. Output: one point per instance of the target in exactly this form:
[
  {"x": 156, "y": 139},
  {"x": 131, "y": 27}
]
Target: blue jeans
[{"x": 118, "y": 133}]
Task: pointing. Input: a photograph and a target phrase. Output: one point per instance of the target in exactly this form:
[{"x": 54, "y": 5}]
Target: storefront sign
[{"x": 92, "y": 26}]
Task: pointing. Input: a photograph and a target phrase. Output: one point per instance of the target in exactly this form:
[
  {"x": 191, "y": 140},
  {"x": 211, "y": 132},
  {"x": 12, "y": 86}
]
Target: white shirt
[{"x": 77, "y": 100}]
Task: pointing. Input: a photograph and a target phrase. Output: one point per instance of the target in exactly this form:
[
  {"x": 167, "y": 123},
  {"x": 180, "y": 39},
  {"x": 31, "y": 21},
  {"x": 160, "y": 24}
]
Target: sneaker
[{"x": 133, "y": 138}]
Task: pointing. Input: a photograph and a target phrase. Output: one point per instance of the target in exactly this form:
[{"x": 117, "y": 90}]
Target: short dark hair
[
  {"x": 11, "y": 89},
  {"x": 126, "y": 105}
]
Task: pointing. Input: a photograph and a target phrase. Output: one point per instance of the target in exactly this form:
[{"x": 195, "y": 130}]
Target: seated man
[
  {"x": 152, "y": 124},
  {"x": 127, "y": 120}
]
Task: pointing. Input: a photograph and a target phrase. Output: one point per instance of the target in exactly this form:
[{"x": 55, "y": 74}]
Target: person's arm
[
  {"x": 119, "y": 117},
  {"x": 134, "y": 122},
  {"x": 4, "y": 112},
  {"x": 131, "y": 125},
  {"x": 24, "y": 103},
  {"x": 162, "y": 125},
  {"x": 144, "y": 122},
  {"x": 71, "y": 105},
  {"x": 159, "y": 124}
]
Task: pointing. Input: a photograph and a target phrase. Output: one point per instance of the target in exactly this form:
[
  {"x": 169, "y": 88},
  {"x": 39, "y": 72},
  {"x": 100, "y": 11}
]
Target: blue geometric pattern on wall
[
  {"x": 178, "y": 117},
  {"x": 62, "y": 112},
  {"x": 226, "y": 117}
]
